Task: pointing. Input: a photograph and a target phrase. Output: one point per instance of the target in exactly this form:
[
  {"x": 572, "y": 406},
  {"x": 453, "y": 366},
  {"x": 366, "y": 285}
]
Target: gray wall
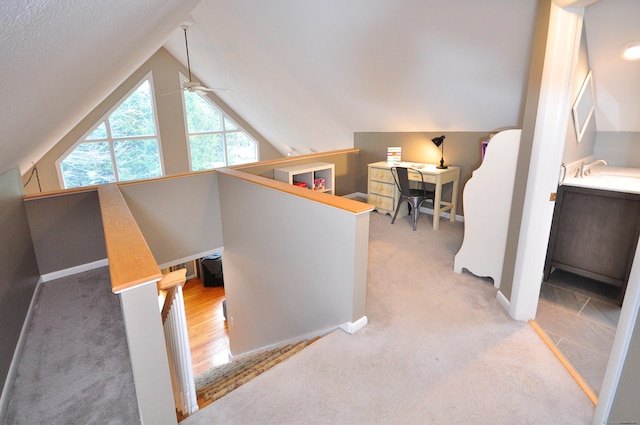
[
  {"x": 66, "y": 230},
  {"x": 293, "y": 267},
  {"x": 574, "y": 150},
  {"x": 19, "y": 268},
  {"x": 462, "y": 149},
  {"x": 179, "y": 217},
  {"x": 620, "y": 149}
]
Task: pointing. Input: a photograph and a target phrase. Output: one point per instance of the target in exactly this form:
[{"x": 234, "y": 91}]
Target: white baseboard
[
  {"x": 349, "y": 327},
  {"x": 503, "y": 301},
  {"x": 442, "y": 214},
  {"x": 74, "y": 270},
  {"x": 17, "y": 353},
  {"x": 356, "y": 195},
  {"x": 353, "y": 327},
  {"x": 191, "y": 258}
]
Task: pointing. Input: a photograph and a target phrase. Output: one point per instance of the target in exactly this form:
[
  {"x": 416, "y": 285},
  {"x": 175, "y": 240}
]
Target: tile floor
[{"x": 580, "y": 316}]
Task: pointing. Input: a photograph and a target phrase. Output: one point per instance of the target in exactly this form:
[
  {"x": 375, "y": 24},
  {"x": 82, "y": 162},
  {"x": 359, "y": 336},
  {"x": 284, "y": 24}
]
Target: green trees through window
[
  {"x": 127, "y": 138},
  {"x": 124, "y": 145},
  {"x": 214, "y": 140}
]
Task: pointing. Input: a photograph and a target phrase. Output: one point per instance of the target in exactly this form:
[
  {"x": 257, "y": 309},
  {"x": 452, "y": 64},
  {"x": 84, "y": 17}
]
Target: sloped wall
[{"x": 19, "y": 268}]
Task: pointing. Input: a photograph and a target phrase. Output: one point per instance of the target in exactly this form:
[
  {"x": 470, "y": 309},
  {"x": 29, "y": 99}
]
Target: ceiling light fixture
[{"x": 632, "y": 51}]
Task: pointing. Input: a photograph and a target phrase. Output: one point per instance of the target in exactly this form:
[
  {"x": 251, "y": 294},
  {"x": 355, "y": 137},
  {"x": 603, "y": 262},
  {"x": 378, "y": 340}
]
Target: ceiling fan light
[{"x": 632, "y": 52}]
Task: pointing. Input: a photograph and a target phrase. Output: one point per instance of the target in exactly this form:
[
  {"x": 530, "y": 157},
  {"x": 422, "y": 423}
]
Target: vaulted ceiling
[{"x": 305, "y": 74}]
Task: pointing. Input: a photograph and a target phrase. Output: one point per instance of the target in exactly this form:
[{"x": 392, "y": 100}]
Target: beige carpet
[{"x": 438, "y": 350}]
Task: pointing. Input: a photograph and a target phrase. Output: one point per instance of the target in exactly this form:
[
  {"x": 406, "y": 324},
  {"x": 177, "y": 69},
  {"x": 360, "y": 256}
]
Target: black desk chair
[{"x": 415, "y": 196}]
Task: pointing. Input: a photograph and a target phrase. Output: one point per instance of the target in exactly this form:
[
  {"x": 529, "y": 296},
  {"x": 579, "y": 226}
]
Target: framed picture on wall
[{"x": 584, "y": 107}]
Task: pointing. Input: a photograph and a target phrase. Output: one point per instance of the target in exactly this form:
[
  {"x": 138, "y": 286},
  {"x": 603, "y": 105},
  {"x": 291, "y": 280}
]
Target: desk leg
[
  {"x": 437, "y": 205},
  {"x": 454, "y": 199}
]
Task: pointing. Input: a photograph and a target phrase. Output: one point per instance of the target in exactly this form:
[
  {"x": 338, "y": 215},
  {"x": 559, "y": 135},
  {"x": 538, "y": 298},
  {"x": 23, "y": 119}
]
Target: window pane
[
  {"x": 88, "y": 164},
  {"x": 137, "y": 159},
  {"x": 201, "y": 115},
  {"x": 229, "y": 125},
  {"x": 134, "y": 117},
  {"x": 207, "y": 151},
  {"x": 99, "y": 133},
  {"x": 241, "y": 149}
]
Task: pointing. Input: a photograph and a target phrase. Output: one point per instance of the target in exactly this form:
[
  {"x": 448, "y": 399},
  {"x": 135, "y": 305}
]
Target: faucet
[
  {"x": 579, "y": 170},
  {"x": 587, "y": 169}
]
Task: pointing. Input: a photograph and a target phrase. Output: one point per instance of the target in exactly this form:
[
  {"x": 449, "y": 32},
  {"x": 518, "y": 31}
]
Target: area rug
[{"x": 221, "y": 380}]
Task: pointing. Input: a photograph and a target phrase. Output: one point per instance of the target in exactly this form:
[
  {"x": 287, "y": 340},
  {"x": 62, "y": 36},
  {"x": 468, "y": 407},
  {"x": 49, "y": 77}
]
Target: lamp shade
[{"x": 438, "y": 140}]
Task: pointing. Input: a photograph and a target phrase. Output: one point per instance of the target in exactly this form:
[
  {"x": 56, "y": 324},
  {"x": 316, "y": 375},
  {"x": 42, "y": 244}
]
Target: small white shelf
[{"x": 309, "y": 174}]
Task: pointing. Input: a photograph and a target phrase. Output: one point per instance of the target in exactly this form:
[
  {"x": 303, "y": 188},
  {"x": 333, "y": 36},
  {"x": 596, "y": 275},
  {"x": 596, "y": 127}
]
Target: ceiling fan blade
[
  {"x": 212, "y": 89},
  {"x": 171, "y": 92}
]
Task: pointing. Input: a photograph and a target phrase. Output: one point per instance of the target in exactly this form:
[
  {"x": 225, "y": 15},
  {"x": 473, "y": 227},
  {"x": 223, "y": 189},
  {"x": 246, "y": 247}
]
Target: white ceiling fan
[{"x": 191, "y": 85}]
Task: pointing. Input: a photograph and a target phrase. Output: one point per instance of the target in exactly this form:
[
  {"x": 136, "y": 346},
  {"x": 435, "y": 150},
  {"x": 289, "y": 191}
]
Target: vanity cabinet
[{"x": 594, "y": 234}]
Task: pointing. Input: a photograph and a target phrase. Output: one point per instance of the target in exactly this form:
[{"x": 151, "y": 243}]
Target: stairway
[{"x": 221, "y": 380}]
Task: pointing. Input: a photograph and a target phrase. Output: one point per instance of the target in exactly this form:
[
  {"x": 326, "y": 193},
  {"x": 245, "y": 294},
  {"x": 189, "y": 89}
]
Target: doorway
[{"x": 580, "y": 316}]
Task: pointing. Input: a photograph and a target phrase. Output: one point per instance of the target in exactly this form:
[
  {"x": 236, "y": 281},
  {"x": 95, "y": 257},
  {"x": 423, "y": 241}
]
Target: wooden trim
[
  {"x": 169, "y": 295},
  {"x": 171, "y": 279},
  {"x": 566, "y": 363},
  {"x": 60, "y": 192},
  {"x": 296, "y": 158},
  {"x": 283, "y": 160},
  {"x": 131, "y": 262},
  {"x": 345, "y": 204}
]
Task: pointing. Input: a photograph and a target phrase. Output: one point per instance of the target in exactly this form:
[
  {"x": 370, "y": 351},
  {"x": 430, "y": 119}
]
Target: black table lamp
[{"x": 439, "y": 141}]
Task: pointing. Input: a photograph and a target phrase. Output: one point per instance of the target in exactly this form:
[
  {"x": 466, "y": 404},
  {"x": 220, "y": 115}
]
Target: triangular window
[
  {"x": 126, "y": 137},
  {"x": 214, "y": 139}
]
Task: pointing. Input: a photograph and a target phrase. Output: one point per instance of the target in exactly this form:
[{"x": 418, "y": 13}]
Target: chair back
[{"x": 401, "y": 177}]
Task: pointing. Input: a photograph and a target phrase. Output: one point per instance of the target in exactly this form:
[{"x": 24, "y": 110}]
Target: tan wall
[
  {"x": 462, "y": 149},
  {"x": 170, "y": 119}
]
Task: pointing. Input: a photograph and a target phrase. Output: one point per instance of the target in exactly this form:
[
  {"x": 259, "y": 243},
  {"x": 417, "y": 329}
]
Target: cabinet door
[{"x": 594, "y": 234}]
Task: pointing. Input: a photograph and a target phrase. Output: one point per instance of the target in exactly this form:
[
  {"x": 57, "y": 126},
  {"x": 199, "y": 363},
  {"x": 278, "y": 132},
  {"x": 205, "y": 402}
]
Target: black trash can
[{"x": 212, "y": 270}]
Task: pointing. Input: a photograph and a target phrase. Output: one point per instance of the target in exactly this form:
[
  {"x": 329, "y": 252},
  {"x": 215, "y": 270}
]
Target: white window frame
[
  {"x": 225, "y": 116},
  {"x": 110, "y": 139}
]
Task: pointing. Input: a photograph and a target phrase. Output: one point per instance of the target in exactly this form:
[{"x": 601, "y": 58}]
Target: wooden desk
[{"x": 383, "y": 193}]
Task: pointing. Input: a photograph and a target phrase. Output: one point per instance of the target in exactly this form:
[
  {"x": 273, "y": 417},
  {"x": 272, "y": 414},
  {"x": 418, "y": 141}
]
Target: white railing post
[{"x": 179, "y": 353}]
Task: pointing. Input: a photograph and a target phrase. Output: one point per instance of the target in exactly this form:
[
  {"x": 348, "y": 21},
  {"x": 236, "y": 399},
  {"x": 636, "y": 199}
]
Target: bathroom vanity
[{"x": 594, "y": 233}]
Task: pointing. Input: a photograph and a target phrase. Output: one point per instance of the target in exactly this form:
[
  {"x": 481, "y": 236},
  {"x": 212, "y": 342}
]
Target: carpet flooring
[
  {"x": 438, "y": 349},
  {"x": 75, "y": 366}
]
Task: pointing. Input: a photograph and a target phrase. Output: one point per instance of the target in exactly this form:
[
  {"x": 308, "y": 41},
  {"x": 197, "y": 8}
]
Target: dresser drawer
[
  {"x": 379, "y": 188},
  {"x": 381, "y": 175},
  {"x": 381, "y": 202},
  {"x": 413, "y": 176}
]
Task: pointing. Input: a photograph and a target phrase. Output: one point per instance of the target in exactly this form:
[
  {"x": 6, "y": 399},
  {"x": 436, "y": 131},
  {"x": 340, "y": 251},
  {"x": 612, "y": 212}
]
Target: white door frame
[{"x": 563, "y": 41}]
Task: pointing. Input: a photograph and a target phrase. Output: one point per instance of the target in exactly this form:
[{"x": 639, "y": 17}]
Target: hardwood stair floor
[{"x": 208, "y": 336}]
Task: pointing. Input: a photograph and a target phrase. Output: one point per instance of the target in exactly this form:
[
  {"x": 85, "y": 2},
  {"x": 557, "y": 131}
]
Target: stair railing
[{"x": 174, "y": 321}]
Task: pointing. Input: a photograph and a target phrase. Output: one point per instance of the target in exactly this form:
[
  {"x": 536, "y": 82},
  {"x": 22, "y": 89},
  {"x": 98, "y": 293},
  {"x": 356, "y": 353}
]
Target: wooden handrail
[
  {"x": 346, "y": 204},
  {"x": 167, "y": 287},
  {"x": 131, "y": 262}
]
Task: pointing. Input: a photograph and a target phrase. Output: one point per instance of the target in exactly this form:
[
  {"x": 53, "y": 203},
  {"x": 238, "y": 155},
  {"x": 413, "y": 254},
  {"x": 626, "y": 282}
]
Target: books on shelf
[{"x": 394, "y": 154}]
